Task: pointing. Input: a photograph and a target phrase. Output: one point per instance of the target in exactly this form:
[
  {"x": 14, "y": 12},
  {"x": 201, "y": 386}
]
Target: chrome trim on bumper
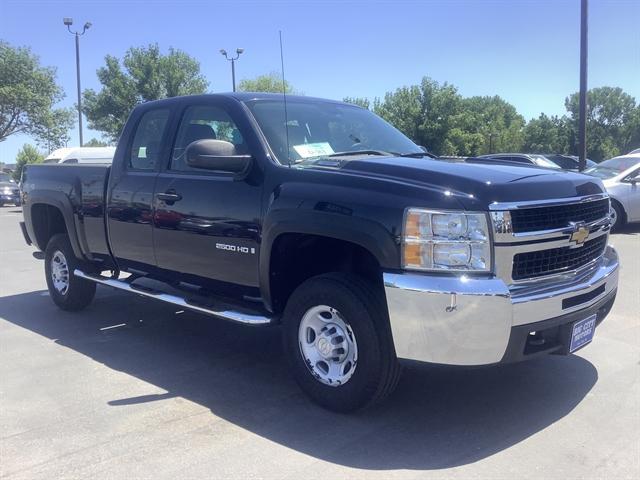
[
  {"x": 467, "y": 320},
  {"x": 545, "y": 301}
]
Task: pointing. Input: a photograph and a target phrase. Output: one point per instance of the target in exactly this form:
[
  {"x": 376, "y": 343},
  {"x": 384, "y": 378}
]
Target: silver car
[{"x": 621, "y": 178}]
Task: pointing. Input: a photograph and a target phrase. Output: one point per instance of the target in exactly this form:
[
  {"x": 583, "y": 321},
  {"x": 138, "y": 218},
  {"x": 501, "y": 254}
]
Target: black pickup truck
[{"x": 319, "y": 216}]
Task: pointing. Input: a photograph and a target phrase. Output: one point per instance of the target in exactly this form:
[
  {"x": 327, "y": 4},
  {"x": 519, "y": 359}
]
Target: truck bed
[{"x": 78, "y": 191}]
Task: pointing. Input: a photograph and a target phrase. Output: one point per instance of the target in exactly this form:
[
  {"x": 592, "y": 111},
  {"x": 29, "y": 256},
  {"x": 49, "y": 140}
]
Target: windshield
[
  {"x": 613, "y": 167},
  {"x": 567, "y": 163},
  {"x": 317, "y": 129},
  {"x": 542, "y": 161}
]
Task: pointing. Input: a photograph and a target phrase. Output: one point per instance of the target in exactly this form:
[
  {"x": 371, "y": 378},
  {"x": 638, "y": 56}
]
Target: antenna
[{"x": 284, "y": 96}]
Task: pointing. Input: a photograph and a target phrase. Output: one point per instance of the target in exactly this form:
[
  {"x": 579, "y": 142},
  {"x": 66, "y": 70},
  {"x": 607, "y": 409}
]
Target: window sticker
[{"x": 306, "y": 150}]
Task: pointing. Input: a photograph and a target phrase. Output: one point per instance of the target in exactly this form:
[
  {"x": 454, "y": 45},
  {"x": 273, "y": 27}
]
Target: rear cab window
[{"x": 147, "y": 141}]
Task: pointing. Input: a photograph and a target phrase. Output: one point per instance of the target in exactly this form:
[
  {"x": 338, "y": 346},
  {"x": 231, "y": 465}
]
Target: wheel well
[
  {"x": 297, "y": 257},
  {"x": 47, "y": 221}
]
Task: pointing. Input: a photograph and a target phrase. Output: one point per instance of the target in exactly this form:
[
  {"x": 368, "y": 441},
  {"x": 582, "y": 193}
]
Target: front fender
[{"x": 330, "y": 220}]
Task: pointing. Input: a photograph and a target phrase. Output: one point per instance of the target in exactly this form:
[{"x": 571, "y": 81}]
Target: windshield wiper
[
  {"x": 361, "y": 152},
  {"x": 416, "y": 155}
]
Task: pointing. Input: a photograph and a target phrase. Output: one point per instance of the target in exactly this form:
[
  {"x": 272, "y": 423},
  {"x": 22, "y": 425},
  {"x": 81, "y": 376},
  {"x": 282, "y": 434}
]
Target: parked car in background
[
  {"x": 621, "y": 176},
  {"x": 521, "y": 158},
  {"x": 81, "y": 155},
  {"x": 9, "y": 190},
  {"x": 568, "y": 162},
  {"x": 634, "y": 152}
]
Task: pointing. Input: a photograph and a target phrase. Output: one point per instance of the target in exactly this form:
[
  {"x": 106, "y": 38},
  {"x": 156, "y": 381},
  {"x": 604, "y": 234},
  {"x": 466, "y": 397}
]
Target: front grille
[
  {"x": 547, "y": 218},
  {"x": 556, "y": 260}
]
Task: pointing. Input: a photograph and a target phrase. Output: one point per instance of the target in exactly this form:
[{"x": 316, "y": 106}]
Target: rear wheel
[
  {"x": 338, "y": 342},
  {"x": 66, "y": 290}
]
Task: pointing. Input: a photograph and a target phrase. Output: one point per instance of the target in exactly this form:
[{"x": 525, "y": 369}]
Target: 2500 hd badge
[{"x": 235, "y": 248}]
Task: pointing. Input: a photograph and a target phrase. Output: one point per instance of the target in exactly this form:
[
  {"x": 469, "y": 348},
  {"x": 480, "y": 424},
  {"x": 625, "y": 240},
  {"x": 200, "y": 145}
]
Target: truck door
[
  {"x": 206, "y": 223},
  {"x": 131, "y": 187}
]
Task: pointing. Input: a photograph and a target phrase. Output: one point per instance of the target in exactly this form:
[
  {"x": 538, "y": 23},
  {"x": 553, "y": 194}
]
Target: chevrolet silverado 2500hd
[{"x": 319, "y": 216}]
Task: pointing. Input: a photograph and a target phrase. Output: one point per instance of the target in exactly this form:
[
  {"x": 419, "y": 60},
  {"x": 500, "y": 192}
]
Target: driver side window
[{"x": 203, "y": 122}]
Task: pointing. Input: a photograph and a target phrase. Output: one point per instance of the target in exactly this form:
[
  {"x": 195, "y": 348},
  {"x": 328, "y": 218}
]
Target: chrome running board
[{"x": 222, "y": 311}]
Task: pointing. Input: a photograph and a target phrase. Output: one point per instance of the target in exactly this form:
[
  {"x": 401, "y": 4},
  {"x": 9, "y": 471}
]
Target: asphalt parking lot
[{"x": 130, "y": 388}]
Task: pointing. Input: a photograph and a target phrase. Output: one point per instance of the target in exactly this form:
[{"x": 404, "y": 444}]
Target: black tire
[
  {"x": 376, "y": 372},
  {"x": 620, "y": 219},
  {"x": 79, "y": 292}
]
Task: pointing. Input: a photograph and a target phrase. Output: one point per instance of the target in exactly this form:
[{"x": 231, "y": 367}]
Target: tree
[
  {"x": 438, "y": 117},
  {"x": 28, "y": 93},
  {"x": 94, "y": 142},
  {"x": 53, "y": 131},
  {"x": 548, "y": 135},
  {"x": 27, "y": 154},
  {"x": 422, "y": 112},
  {"x": 147, "y": 75},
  {"x": 612, "y": 125},
  {"x": 360, "y": 101},
  {"x": 271, "y": 82},
  {"x": 486, "y": 125}
]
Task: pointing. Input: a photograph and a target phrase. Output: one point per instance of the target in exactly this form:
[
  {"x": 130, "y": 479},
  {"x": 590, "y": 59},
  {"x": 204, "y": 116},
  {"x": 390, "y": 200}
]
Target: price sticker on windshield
[{"x": 306, "y": 150}]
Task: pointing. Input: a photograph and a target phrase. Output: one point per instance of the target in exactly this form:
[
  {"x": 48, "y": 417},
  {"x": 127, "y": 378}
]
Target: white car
[
  {"x": 621, "y": 178},
  {"x": 81, "y": 155}
]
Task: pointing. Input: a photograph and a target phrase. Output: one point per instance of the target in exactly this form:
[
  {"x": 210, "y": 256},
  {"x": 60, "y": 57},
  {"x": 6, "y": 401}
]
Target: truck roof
[{"x": 242, "y": 97}]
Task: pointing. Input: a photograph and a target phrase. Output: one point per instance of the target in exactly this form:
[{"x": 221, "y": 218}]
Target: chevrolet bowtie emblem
[{"x": 580, "y": 234}]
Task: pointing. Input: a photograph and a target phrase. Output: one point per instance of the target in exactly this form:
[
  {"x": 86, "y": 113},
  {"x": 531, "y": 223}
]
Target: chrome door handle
[{"x": 169, "y": 197}]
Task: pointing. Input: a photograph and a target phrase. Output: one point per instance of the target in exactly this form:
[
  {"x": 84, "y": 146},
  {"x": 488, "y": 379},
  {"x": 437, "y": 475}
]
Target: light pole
[
  {"x": 582, "y": 122},
  {"x": 68, "y": 22},
  {"x": 233, "y": 64}
]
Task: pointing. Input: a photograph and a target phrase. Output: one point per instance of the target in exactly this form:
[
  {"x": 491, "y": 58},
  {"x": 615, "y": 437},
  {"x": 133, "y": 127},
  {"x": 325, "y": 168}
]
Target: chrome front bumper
[{"x": 468, "y": 320}]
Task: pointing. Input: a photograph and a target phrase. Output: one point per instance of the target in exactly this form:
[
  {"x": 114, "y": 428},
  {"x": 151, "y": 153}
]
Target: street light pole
[
  {"x": 68, "y": 22},
  {"x": 582, "y": 127},
  {"x": 239, "y": 51}
]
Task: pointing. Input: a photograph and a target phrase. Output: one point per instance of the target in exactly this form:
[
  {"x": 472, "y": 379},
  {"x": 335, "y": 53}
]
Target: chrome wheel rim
[
  {"x": 328, "y": 345},
  {"x": 60, "y": 272},
  {"x": 614, "y": 217}
]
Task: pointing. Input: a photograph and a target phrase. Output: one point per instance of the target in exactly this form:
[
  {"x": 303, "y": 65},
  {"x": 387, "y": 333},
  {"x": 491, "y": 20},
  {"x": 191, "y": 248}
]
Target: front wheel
[
  {"x": 66, "y": 290},
  {"x": 338, "y": 342},
  {"x": 617, "y": 216}
]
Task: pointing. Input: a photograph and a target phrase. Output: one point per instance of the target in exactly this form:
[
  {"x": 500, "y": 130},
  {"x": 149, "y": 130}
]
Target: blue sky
[{"x": 523, "y": 50}]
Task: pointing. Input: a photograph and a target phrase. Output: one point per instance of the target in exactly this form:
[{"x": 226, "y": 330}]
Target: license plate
[{"x": 582, "y": 333}]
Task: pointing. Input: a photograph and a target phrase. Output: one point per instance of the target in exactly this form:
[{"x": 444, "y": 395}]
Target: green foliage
[
  {"x": 271, "y": 82},
  {"x": 439, "y": 118},
  {"x": 612, "y": 121},
  {"x": 53, "y": 131},
  {"x": 548, "y": 135},
  {"x": 94, "y": 142},
  {"x": 28, "y": 92},
  {"x": 147, "y": 75},
  {"x": 27, "y": 154},
  {"x": 360, "y": 101}
]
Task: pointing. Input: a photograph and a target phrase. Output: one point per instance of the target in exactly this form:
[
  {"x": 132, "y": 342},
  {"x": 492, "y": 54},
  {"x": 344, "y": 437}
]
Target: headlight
[{"x": 446, "y": 241}]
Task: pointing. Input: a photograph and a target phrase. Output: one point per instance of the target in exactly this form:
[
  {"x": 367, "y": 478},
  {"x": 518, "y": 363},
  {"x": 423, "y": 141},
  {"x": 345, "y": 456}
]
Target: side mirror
[
  {"x": 634, "y": 180},
  {"x": 216, "y": 155}
]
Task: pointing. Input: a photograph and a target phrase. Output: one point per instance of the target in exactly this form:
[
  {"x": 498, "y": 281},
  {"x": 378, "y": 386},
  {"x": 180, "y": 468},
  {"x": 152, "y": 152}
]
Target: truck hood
[{"x": 476, "y": 185}]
